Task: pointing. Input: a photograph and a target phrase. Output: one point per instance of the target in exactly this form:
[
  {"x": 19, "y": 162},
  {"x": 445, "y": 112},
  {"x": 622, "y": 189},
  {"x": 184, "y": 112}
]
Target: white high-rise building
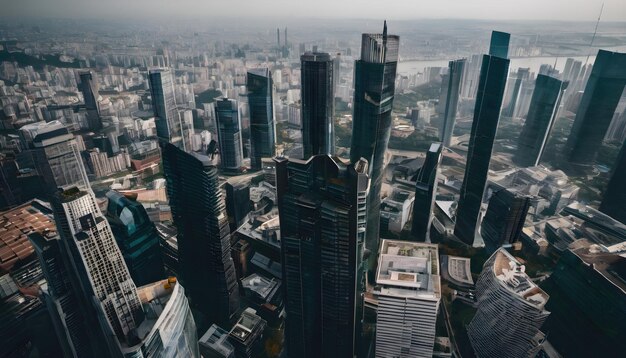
[
  {"x": 510, "y": 310},
  {"x": 408, "y": 290}
]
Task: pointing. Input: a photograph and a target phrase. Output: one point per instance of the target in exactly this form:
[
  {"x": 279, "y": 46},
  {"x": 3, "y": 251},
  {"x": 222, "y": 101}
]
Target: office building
[
  {"x": 395, "y": 210},
  {"x": 169, "y": 126},
  {"x": 88, "y": 86},
  {"x": 246, "y": 335},
  {"x": 408, "y": 290},
  {"x": 504, "y": 219},
  {"x": 521, "y": 75},
  {"x": 542, "y": 113},
  {"x": 215, "y": 343},
  {"x": 198, "y": 211},
  {"x": 262, "y": 127},
  {"x": 588, "y": 304},
  {"x": 455, "y": 79},
  {"x": 614, "y": 197},
  {"x": 136, "y": 237},
  {"x": 499, "y": 45},
  {"x": 322, "y": 211},
  {"x": 595, "y": 112},
  {"x": 493, "y": 75},
  {"x": 374, "y": 87},
  {"x": 53, "y": 153},
  {"x": 237, "y": 201},
  {"x": 511, "y": 310},
  {"x": 318, "y": 103},
  {"x": 425, "y": 193},
  {"x": 229, "y": 135}
]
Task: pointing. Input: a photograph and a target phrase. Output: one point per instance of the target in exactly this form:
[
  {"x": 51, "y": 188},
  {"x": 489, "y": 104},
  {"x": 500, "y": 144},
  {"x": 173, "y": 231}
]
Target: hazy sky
[{"x": 614, "y": 10}]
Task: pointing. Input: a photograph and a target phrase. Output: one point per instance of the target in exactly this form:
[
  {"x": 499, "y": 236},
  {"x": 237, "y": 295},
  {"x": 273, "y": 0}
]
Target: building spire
[
  {"x": 385, "y": 41},
  {"x": 385, "y": 31}
]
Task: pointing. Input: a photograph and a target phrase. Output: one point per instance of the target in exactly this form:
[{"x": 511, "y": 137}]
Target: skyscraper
[
  {"x": 499, "y": 45},
  {"x": 198, "y": 211},
  {"x": 52, "y": 151},
  {"x": 408, "y": 290},
  {"x": 136, "y": 237},
  {"x": 510, "y": 310},
  {"x": 521, "y": 75},
  {"x": 614, "y": 197},
  {"x": 317, "y": 94},
  {"x": 229, "y": 134},
  {"x": 89, "y": 87},
  {"x": 97, "y": 268},
  {"x": 455, "y": 79},
  {"x": 544, "y": 107},
  {"x": 262, "y": 128},
  {"x": 374, "y": 87},
  {"x": 169, "y": 126},
  {"x": 322, "y": 208},
  {"x": 493, "y": 74},
  {"x": 504, "y": 219},
  {"x": 425, "y": 192},
  {"x": 602, "y": 93}
]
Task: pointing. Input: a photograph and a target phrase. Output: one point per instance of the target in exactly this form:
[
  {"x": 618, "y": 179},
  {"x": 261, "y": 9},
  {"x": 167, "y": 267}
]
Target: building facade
[
  {"x": 504, "y": 219},
  {"x": 169, "y": 125},
  {"x": 614, "y": 196},
  {"x": 456, "y": 69},
  {"x": 425, "y": 193},
  {"x": 262, "y": 127},
  {"x": 229, "y": 134}
]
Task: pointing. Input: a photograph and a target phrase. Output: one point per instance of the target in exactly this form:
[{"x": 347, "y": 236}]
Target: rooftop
[
  {"x": 408, "y": 269},
  {"x": 512, "y": 275},
  {"x": 608, "y": 264}
]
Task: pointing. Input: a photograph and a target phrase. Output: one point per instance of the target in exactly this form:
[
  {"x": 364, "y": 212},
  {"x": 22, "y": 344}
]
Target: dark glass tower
[
  {"x": 522, "y": 74},
  {"x": 614, "y": 200},
  {"x": 322, "y": 220},
  {"x": 425, "y": 191},
  {"x": 455, "y": 79},
  {"x": 499, "y": 45},
  {"x": 318, "y": 133},
  {"x": 198, "y": 211},
  {"x": 544, "y": 107},
  {"x": 504, "y": 220},
  {"x": 89, "y": 87},
  {"x": 168, "y": 124},
  {"x": 374, "y": 87},
  {"x": 136, "y": 237},
  {"x": 602, "y": 93},
  {"x": 262, "y": 130},
  {"x": 493, "y": 75},
  {"x": 229, "y": 134}
]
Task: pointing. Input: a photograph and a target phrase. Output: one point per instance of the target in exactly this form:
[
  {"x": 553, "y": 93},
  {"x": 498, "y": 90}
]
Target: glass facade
[
  {"x": 425, "y": 191},
  {"x": 317, "y": 76},
  {"x": 493, "y": 75},
  {"x": 229, "y": 134},
  {"x": 168, "y": 123},
  {"x": 455, "y": 79},
  {"x": 262, "y": 128},
  {"x": 614, "y": 199},
  {"x": 504, "y": 220}
]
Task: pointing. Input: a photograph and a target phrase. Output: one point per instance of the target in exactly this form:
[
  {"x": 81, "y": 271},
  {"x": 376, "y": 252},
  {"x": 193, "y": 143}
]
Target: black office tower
[
  {"x": 425, "y": 191},
  {"x": 318, "y": 133},
  {"x": 229, "y": 135},
  {"x": 597, "y": 106},
  {"x": 544, "y": 107},
  {"x": 504, "y": 220},
  {"x": 614, "y": 199},
  {"x": 499, "y": 45},
  {"x": 455, "y": 79},
  {"x": 322, "y": 204},
  {"x": 493, "y": 75},
  {"x": 88, "y": 86},
  {"x": 374, "y": 87},
  {"x": 262, "y": 136},
  {"x": 198, "y": 211}
]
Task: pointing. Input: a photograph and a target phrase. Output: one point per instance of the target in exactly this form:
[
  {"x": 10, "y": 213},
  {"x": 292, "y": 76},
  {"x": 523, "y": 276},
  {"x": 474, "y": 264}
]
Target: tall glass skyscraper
[
  {"x": 425, "y": 191},
  {"x": 499, "y": 45},
  {"x": 544, "y": 107},
  {"x": 89, "y": 87},
  {"x": 614, "y": 198},
  {"x": 322, "y": 204},
  {"x": 374, "y": 88},
  {"x": 597, "y": 106},
  {"x": 136, "y": 237},
  {"x": 198, "y": 211},
  {"x": 169, "y": 126},
  {"x": 262, "y": 127},
  {"x": 493, "y": 75},
  {"x": 455, "y": 79},
  {"x": 521, "y": 75},
  {"x": 504, "y": 219},
  {"x": 317, "y": 94},
  {"x": 229, "y": 134}
]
